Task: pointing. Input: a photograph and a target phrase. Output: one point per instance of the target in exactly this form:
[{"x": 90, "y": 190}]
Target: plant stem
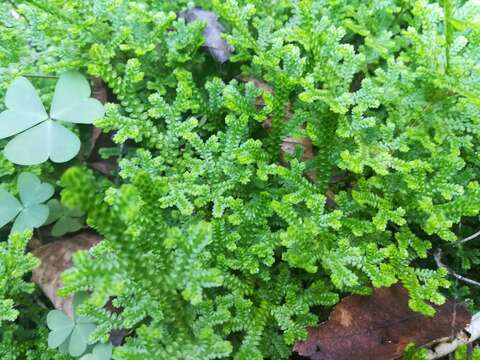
[
  {"x": 438, "y": 259},
  {"x": 40, "y": 76},
  {"x": 448, "y": 15},
  {"x": 47, "y": 10},
  {"x": 15, "y": 7},
  {"x": 471, "y": 237}
]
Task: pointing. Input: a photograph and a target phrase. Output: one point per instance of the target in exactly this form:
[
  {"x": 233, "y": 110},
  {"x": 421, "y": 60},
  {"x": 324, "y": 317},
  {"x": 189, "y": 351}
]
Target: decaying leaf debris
[
  {"x": 55, "y": 258},
  {"x": 380, "y": 327},
  {"x": 217, "y": 47},
  {"x": 100, "y": 139}
]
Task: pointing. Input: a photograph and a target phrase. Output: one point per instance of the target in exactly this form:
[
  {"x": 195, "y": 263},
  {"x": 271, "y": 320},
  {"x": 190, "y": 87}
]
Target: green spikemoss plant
[{"x": 215, "y": 246}]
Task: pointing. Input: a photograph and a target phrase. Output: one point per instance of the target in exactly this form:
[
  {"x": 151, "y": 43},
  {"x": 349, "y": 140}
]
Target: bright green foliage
[
  {"x": 14, "y": 264},
  {"x": 413, "y": 353},
  {"x": 462, "y": 353},
  {"x": 23, "y": 342},
  {"x": 216, "y": 245}
]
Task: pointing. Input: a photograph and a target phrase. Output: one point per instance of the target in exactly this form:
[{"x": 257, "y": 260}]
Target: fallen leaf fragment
[
  {"x": 104, "y": 167},
  {"x": 98, "y": 138},
  {"x": 55, "y": 258},
  {"x": 117, "y": 336},
  {"x": 379, "y": 327},
  {"x": 218, "y": 48},
  {"x": 99, "y": 92}
]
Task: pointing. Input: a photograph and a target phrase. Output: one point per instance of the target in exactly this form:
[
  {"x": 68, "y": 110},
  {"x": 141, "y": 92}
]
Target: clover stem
[
  {"x": 39, "y": 234},
  {"x": 41, "y": 76},
  {"x": 47, "y": 10},
  {"x": 18, "y": 11},
  {"x": 448, "y": 16}
]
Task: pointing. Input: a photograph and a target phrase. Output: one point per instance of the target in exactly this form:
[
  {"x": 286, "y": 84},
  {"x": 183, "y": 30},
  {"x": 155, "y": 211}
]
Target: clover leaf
[
  {"x": 40, "y": 136},
  {"x": 66, "y": 220},
  {"x": 70, "y": 335},
  {"x": 99, "y": 352},
  {"x": 29, "y": 212}
]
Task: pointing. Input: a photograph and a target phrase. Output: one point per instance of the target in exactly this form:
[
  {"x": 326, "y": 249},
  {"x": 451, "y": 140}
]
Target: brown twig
[
  {"x": 471, "y": 237},
  {"x": 17, "y": 11},
  {"x": 467, "y": 336},
  {"x": 48, "y": 10},
  {"x": 438, "y": 259}
]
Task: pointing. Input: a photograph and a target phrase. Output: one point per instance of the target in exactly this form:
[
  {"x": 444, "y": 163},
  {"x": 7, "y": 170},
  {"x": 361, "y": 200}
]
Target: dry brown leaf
[
  {"x": 379, "y": 327},
  {"x": 100, "y": 139},
  {"x": 214, "y": 42},
  {"x": 55, "y": 258},
  {"x": 104, "y": 167},
  {"x": 99, "y": 90}
]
